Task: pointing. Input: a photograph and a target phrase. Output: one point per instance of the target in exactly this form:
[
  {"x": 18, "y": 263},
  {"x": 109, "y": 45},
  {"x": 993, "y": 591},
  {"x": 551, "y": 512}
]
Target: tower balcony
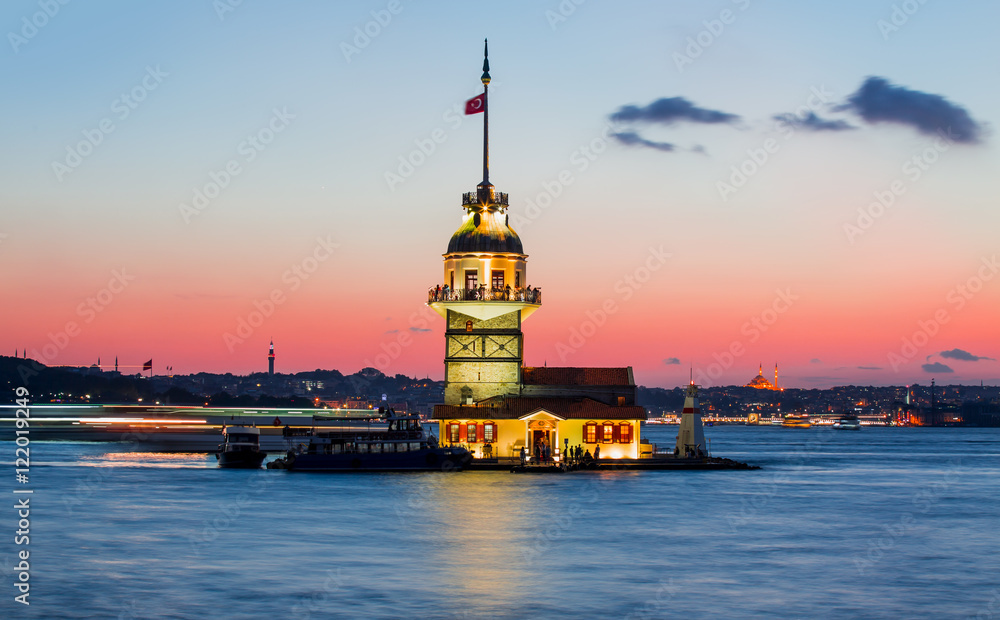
[
  {"x": 484, "y": 303},
  {"x": 531, "y": 296},
  {"x": 484, "y": 196}
]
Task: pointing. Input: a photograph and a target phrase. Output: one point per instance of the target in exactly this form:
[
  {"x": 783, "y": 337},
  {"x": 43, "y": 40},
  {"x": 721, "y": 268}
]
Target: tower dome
[{"x": 485, "y": 231}]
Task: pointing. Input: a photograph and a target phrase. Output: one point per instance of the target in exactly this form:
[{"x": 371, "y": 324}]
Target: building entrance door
[{"x": 538, "y": 440}]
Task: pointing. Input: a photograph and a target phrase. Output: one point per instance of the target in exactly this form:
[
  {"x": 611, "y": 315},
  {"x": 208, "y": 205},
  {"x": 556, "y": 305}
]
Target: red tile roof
[
  {"x": 576, "y": 376},
  {"x": 514, "y": 407}
]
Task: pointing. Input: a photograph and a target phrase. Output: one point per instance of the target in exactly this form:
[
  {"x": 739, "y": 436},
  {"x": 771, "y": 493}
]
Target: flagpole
[{"x": 486, "y": 114}]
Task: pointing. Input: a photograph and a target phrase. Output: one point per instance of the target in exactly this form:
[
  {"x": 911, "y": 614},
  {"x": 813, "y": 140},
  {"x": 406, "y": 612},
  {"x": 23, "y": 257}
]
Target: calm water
[{"x": 883, "y": 523}]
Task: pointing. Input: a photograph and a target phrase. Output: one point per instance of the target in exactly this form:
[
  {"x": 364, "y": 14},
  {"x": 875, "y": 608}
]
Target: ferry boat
[
  {"x": 240, "y": 447},
  {"x": 392, "y": 443},
  {"x": 847, "y": 423},
  {"x": 796, "y": 421}
]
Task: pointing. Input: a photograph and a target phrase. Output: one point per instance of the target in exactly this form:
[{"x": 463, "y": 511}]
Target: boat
[
  {"x": 240, "y": 448},
  {"x": 389, "y": 443},
  {"x": 796, "y": 421},
  {"x": 847, "y": 423}
]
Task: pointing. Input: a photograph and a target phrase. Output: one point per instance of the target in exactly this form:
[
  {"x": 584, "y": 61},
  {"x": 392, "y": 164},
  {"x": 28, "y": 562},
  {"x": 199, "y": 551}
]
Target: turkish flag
[
  {"x": 476, "y": 104},
  {"x": 148, "y": 365}
]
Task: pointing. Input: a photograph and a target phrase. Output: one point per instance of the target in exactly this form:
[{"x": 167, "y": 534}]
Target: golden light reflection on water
[{"x": 486, "y": 512}]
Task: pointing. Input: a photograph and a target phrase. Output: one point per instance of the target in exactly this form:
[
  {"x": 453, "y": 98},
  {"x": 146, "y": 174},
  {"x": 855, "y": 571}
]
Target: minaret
[
  {"x": 691, "y": 435},
  {"x": 270, "y": 360},
  {"x": 776, "y": 375},
  {"x": 485, "y": 295}
]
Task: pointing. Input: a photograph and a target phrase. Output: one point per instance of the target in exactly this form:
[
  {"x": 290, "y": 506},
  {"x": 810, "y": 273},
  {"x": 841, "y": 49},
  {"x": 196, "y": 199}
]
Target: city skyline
[{"x": 687, "y": 199}]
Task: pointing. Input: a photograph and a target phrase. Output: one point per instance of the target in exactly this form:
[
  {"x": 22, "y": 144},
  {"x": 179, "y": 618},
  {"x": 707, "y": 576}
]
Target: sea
[{"x": 879, "y": 523}]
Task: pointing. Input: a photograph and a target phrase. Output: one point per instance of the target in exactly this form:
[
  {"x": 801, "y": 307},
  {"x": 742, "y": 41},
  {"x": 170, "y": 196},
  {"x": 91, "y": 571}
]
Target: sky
[{"x": 700, "y": 186}]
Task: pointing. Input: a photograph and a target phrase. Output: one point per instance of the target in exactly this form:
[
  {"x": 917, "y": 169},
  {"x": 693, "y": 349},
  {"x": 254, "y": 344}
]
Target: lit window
[
  {"x": 497, "y": 279},
  {"x": 609, "y": 433},
  {"x": 453, "y": 433},
  {"x": 468, "y": 328},
  {"x": 471, "y": 280},
  {"x": 471, "y": 433},
  {"x": 489, "y": 432},
  {"x": 624, "y": 433},
  {"x": 590, "y": 432},
  {"x": 517, "y": 279}
]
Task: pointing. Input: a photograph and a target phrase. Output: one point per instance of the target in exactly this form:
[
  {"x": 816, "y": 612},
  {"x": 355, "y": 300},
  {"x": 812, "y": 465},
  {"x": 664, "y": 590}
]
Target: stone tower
[{"x": 485, "y": 295}]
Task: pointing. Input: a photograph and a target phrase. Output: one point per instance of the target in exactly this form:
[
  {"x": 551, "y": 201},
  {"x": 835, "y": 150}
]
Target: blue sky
[{"x": 223, "y": 75}]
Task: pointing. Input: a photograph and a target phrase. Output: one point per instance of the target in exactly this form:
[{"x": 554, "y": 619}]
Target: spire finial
[{"x": 486, "y": 61}]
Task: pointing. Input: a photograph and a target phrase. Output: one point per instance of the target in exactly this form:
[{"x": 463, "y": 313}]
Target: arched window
[
  {"x": 624, "y": 433},
  {"x": 608, "y": 434},
  {"x": 590, "y": 432}
]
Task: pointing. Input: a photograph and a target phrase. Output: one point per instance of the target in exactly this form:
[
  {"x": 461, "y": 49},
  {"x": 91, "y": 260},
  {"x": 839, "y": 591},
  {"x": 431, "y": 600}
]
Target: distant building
[
  {"x": 270, "y": 360},
  {"x": 761, "y": 383}
]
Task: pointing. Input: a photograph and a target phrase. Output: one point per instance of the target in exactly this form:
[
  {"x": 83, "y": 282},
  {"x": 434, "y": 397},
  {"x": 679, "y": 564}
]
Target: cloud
[
  {"x": 964, "y": 356},
  {"x": 812, "y": 122},
  {"x": 937, "y": 367},
  {"x": 869, "y": 368},
  {"x": 419, "y": 329},
  {"x": 670, "y": 110},
  {"x": 879, "y": 101},
  {"x": 631, "y": 138},
  {"x": 671, "y": 360},
  {"x": 392, "y": 331},
  {"x": 815, "y": 360}
]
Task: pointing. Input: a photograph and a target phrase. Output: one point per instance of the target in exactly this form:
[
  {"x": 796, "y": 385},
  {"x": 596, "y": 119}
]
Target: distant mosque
[{"x": 761, "y": 383}]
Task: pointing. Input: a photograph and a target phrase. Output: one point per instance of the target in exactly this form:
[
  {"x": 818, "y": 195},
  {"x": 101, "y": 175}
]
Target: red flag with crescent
[
  {"x": 476, "y": 104},
  {"x": 148, "y": 365}
]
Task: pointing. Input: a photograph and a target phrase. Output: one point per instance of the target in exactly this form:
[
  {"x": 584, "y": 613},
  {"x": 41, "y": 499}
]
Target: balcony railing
[
  {"x": 529, "y": 295},
  {"x": 474, "y": 198}
]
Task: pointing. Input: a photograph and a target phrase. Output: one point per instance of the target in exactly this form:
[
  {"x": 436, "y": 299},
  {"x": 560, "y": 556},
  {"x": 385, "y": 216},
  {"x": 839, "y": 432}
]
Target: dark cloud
[
  {"x": 671, "y": 360},
  {"x": 418, "y": 329},
  {"x": 670, "y": 110},
  {"x": 812, "y": 122},
  {"x": 937, "y": 367},
  {"x": 964, "y": 356},
  {"x": 631, "y": 138},
  {"x": 869, "y": 368},
  {"x": 392, "y": 331},
  {"x": 815, "y": 360},
  {"x": 880, "y": 101}
]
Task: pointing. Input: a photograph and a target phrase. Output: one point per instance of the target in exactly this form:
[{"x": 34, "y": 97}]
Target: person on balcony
[
  {"x": 437, "y": 293},
  {"x": 507, "y": 293}
]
